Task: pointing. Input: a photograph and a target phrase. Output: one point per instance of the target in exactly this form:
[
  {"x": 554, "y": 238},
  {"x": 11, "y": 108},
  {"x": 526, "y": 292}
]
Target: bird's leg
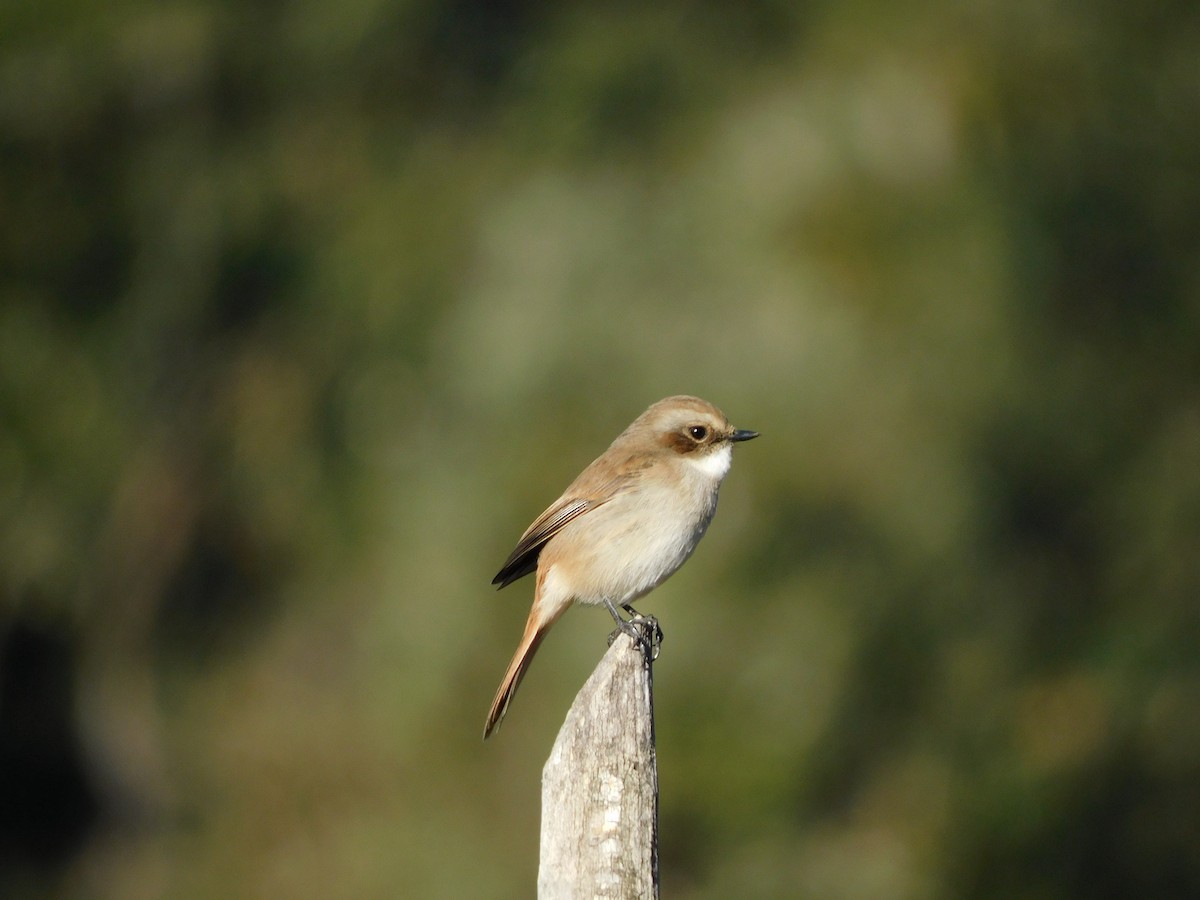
[
  {"x": 623, "y": 625},
  {"x": 645, "y": 630}
]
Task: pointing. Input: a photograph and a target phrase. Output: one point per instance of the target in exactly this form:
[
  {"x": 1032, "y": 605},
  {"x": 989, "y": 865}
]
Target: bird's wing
[{"x": 581, "y": 497}]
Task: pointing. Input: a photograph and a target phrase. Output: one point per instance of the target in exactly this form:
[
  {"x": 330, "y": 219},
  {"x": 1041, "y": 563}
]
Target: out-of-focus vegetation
[{"x": 307, "y": 309}]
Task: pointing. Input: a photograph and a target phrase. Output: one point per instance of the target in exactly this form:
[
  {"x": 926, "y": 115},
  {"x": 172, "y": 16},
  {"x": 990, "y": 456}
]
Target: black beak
[{"x": 742, "y": 435}]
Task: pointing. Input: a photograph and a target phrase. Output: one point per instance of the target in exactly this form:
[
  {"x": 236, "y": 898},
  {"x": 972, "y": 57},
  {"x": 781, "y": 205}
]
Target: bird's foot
[{"x": 644, "y": 630}]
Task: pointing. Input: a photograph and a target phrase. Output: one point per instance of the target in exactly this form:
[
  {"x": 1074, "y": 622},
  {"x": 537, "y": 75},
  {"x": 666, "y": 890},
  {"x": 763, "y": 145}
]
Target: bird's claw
[{"x": 643, "y": 630}]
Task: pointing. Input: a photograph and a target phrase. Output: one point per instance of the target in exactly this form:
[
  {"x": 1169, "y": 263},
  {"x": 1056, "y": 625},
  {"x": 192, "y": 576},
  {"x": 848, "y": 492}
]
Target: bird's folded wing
[
  {"x": 565, "y": 509},
  {"x": 523, "y": 559}
]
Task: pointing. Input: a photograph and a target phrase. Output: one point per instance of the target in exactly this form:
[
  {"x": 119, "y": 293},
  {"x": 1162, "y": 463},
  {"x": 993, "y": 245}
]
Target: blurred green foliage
[{"x": 307, "y": 309}]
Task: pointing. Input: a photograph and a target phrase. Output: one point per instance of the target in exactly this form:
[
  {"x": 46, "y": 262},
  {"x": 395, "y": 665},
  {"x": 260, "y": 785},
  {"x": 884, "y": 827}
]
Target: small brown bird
[{"x": 624, "y": 525}]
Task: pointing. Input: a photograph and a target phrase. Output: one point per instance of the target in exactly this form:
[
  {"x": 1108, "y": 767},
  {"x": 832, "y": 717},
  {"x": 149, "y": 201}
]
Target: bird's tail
[{"x": 535, "y": 630}]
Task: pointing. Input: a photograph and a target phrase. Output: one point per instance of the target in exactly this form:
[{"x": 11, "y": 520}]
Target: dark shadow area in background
[{"x": 47, "y": 806}]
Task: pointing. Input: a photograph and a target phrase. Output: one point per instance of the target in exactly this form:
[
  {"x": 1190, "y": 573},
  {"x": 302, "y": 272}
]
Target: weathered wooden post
[{"x": 600, "y": 784}]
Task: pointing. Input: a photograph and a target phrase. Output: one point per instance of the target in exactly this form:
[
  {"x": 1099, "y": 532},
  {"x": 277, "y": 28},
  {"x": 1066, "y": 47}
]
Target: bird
[{"x": 623, "y": 526}]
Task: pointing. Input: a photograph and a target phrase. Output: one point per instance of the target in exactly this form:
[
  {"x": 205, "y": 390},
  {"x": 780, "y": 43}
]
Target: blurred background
[{"x": 307, "y": 309}]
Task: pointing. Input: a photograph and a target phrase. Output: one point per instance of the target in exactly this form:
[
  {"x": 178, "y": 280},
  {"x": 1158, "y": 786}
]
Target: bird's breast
[{"x": 631, "y": 544}]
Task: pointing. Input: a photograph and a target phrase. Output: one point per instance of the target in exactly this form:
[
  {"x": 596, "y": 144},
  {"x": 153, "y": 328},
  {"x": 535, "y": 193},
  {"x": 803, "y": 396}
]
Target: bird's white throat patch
[{"x": 715, "y": 463}]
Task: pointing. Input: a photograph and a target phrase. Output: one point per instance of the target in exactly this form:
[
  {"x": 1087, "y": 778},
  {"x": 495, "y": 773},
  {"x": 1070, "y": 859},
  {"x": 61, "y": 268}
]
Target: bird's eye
[{"x": 698, "y": 432}]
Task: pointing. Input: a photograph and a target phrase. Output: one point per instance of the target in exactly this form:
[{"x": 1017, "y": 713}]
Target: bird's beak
[{"x": 742, "y": 435}]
